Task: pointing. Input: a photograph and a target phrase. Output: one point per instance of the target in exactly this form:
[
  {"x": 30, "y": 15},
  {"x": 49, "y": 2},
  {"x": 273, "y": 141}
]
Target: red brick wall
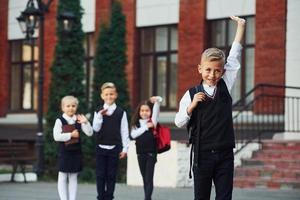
[
  {"x": 270, "y": 43},
  {"x": 49, "y": 47},
  {"x": 192, "y": 41},
  {"x": 102, "y": 14},
  {"x": 129, "y": 9},
  {"x": 4, "y": 52}
]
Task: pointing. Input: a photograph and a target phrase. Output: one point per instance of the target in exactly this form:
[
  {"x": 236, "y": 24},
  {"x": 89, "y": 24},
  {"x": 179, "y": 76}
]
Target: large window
[
  {"x": 158, "y": 64},
  {"x": 222, "y": 35},
  {"x": 89, "y": 53},
  {"x": 24, "y": 75}
]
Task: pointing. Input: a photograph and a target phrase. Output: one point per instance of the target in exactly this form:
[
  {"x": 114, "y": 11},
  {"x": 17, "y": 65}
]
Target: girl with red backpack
[{"x": 143, "y": 123}]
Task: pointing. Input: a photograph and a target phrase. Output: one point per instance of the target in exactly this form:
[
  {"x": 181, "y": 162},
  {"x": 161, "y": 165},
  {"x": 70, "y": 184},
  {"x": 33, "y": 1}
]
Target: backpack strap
[
  {"x": 64, "y": 122},
  {"x": 193, "y": 91}
]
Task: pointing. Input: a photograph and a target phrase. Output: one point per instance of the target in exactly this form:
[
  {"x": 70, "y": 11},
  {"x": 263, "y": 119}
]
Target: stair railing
[{"x": 265, "y": 110}]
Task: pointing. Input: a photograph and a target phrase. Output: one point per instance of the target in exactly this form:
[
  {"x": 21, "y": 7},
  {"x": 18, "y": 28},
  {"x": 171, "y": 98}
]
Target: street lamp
[
  {"x": 29, "y": 20},
  {"x": 66, "y": 20},
  {"x": 32, "y": 18}
]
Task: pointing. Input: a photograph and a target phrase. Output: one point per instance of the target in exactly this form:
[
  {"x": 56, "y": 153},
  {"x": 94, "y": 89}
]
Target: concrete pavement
[{"x": 48, "y": 191}]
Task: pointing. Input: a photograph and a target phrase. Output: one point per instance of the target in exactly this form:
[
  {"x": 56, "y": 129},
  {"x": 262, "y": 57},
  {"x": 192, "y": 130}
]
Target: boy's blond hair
[
  {"x": 213, "y": 54},
  {"x": 108, "y": 85},
  {"x": 69, "y": 99}
]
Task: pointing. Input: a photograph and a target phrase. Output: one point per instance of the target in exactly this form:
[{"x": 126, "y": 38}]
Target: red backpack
[{"x": 163, "y": 138}]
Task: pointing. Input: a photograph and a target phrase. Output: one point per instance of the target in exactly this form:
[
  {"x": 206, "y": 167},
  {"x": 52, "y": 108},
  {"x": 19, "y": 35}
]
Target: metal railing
[{"x": 265, "y": 110}]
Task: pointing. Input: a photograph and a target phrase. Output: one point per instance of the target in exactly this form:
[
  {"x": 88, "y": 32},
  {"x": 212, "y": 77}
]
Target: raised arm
[
  {"x": 233, "y": 64},
  {"x": 240, "y": 28}
]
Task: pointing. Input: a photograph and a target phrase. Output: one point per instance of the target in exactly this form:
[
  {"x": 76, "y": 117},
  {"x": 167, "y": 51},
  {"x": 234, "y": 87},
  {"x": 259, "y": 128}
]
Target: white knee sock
[
  {"x": 62, "y": 183},
  {"x": 72, "y": 185}
]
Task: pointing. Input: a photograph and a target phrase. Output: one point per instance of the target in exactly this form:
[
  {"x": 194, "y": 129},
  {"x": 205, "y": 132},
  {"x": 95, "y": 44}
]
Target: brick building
[{"x": 164, "y": 43}]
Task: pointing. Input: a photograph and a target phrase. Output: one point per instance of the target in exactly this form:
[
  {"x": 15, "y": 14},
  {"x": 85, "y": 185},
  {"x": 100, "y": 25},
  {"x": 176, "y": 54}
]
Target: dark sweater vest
[
  {"x": 146, "y": 143},
  {"x": 214, "y": 121},
  {"x": 109, "y": 133},
  {"x": 71, "y": 148}
]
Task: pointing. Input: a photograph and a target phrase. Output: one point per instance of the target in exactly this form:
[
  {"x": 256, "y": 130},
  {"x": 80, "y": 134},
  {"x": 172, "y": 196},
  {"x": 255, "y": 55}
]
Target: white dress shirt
[
  {"x": 136, "y": 132},
  {"x": 57, "y": 129},
  {"x": 97, "y": 124},
  {"x": 231, "y": 67}
]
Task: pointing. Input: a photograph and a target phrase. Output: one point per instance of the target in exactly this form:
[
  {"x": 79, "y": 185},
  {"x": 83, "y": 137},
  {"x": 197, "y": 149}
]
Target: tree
[
  {"x": 110, "y": 62},
  {"x": 110, "y": 58},
  {"x": 66, "y": 75}
]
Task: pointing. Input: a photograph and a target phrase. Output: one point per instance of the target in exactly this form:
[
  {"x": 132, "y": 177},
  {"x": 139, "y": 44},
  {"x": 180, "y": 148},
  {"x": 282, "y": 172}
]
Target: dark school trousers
[
  {"x": 216, "y": 166},
  {"x": 106, "y": 171},
  {"x": 147, "y": 163}
]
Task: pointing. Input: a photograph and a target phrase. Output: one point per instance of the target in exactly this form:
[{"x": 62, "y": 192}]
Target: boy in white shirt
[
  {"x": 112, "y": 138},
  {"x": 207, "y": 110}
]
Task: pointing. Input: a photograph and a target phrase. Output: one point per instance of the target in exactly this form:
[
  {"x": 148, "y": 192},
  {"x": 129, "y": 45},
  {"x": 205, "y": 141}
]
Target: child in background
[
  {"x": 208, "y": 109},
  {"x": 66, "y": 131},
  {"x": 111, "y": 128},
  {"x": 144, "y": 121}
]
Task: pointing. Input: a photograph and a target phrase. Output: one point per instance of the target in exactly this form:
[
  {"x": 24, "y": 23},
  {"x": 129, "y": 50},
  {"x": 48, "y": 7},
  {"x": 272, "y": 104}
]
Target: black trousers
[
  {"x": 106, "y": 172},
  {"x": 147, "y": 163},
  {"x": 216, "y": 166}
]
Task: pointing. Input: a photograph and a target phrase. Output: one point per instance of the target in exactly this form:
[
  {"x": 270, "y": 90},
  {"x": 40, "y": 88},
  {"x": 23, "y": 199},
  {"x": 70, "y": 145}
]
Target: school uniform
[
  {"x": 111, "y": 132},
  {"x": 214, "y": 141},
  {"x": 70, "y": 156},
  {"x": 146, "y": 150}
]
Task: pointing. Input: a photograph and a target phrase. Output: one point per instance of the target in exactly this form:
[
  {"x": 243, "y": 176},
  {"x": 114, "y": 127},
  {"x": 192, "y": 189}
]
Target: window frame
[
  {"x": 227, "y": 47},
  {"x": 21, "y": 63},
  {"x": 155, "y": 55}
]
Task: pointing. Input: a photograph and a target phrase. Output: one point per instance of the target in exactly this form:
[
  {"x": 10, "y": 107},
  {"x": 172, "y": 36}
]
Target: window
[
  {"x": 24, "y": 75},
  {"x": 158, "y": 64},
  {"x": 222, "y": 35},
  {"x": 89, "y": 52}
]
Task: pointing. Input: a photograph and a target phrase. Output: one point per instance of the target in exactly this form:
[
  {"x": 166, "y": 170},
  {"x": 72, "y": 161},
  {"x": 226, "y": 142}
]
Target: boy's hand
[
  {"x": 122, "y": 155},
  {"x": 75, "y": 134},
  {"x": 198, "y": 97},
  {"x": 240, "y": 21},
  {"x": 81, "y": 119},
  {"x": 240, "y": 28},
  {"x": 103, "y": 111}
]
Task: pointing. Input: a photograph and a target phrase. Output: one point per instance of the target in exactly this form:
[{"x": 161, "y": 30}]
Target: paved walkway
[{"x": 47, "y": 191}]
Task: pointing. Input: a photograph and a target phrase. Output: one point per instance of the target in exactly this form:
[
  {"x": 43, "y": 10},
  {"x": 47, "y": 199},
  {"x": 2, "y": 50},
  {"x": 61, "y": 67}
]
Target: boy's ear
[{"x": 199, "y": 69}]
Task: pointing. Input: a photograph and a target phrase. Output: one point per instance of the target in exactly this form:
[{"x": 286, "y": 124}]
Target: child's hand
[
  {"x": 122, "y": 155},
  {"x": 82, "y": 119},
  {"x": 240, "y": 21},
  {"x": 240, "y": 28},
  {"x": 150, "y": 125},
  {"x": 103, "y": 111},
  {"x": 198, "y": 97},
  {"x": 75, "y": 134},
  {"x": 154, "y": 99}
]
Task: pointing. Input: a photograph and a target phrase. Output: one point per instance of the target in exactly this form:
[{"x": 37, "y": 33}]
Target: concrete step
[
  {"x": 271, "y": 183},
  {"x": 281, "y": 145},
  {"x": 278, "y": 163},
  {"x": 267, "y": 172},
  {"x": 277, "y": 154}
]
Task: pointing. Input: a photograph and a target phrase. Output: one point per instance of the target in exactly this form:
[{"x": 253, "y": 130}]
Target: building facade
[{"x": 164, "y": 44}]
